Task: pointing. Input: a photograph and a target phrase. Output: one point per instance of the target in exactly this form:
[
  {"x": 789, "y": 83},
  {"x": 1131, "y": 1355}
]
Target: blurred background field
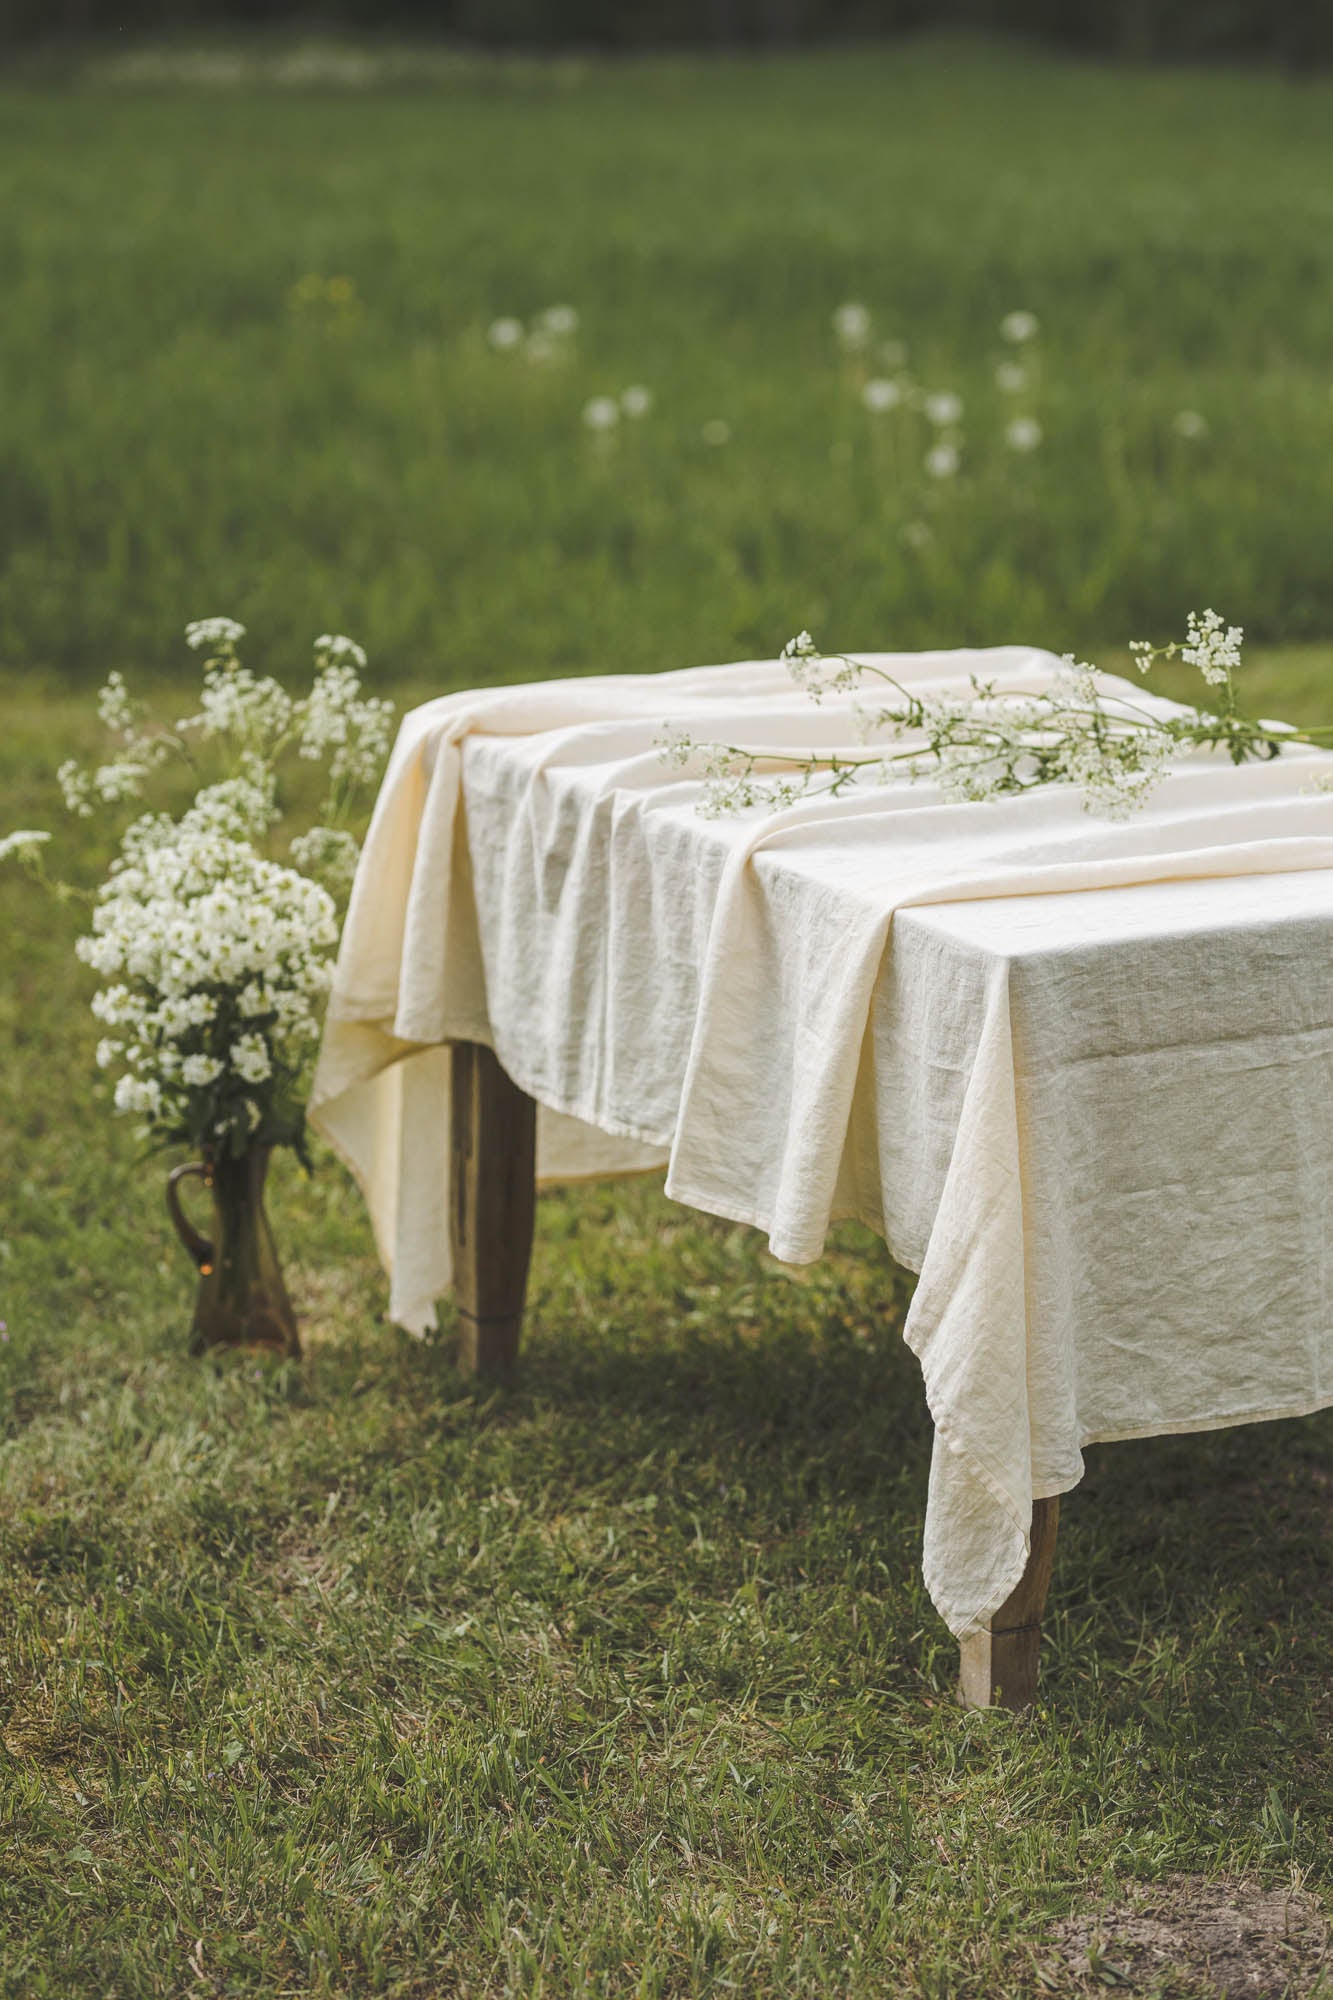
[{"x": 247, "y": 367}]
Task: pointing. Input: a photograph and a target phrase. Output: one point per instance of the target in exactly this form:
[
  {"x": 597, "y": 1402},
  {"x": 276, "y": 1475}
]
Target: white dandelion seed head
[
  {"x": 1023, "y": 434},
  {"x": 880, "y": 394},
  {"x": 943, "y": 409},
  {"x": 851, "y": 323},
  {"x": 1019, "y": 327}
]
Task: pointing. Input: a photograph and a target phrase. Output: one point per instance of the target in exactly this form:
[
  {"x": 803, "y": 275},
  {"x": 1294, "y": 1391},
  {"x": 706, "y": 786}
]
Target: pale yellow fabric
[{"x": 706, "y": 994}]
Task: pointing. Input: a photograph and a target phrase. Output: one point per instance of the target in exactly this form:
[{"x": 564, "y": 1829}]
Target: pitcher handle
[{"x": 198, "y": 1246}]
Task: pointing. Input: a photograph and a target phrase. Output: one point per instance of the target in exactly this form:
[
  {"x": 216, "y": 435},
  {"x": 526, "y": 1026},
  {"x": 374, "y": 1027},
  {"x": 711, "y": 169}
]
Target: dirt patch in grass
[{"x": 1228, "y": 1938}]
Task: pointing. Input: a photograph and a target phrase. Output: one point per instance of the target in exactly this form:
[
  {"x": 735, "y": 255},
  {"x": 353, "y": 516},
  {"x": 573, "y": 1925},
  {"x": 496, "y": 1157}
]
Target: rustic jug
[{"x": 242, "y": 1300}]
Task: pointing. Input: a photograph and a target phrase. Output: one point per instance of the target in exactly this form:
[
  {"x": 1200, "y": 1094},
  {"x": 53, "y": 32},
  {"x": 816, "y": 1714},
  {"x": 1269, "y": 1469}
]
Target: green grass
[
  {"x": 352, "y": 1679},
  {"x": 181, "y": 435},
  {"x": 625, "y": 1683}
]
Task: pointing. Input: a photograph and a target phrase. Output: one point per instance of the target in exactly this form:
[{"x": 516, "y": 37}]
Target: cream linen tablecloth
[{"x": 1093, "y": 1122}]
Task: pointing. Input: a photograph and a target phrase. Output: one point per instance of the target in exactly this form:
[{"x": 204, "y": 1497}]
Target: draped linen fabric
[{"x": 848, "y": 1009}]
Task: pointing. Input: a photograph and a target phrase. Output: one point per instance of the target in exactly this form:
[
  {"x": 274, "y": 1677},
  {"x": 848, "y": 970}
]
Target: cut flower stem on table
[{"x": 1000, "y": 741}]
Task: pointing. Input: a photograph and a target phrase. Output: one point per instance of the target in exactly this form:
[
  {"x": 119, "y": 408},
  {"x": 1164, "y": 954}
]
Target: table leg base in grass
[
  {"x": 999, "y": 1667},
  {"x": 492, "y": 1209}
]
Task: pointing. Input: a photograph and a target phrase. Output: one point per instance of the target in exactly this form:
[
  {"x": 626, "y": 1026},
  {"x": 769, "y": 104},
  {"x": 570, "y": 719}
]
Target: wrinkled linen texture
[{"x": 1093, "y": 1130}]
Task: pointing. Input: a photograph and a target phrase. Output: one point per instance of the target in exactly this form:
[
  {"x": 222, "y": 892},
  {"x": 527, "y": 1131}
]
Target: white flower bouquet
[
  {"x": 214, "y": 951},
  {"x": 215, "y": 954}
]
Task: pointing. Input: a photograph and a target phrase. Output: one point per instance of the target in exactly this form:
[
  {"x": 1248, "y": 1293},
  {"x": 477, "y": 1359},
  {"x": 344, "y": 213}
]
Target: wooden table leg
[
  {"x": 999, "y": 1666},
  {"x": 492, "y": 1207}
]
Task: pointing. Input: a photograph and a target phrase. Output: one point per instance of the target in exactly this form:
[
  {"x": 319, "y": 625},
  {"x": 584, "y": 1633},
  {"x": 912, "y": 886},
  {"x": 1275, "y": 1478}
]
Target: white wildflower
[
  {"x": 636, "y": 401},
  {"x": 851, "y": 323},
  {"x": 601, "y": 413},
  {"x": 118, "y": 1007},
  {"x": 562, "y": 321},
  {"x": 222, "y": 633},
  {"x": 23, "y": 842},
  {"x": 336, "y": 717},
  {"x": 1011, "y": 378},
  {"x": 1023, "y": 434},
  {"x": 1212, "y": 647},
  {"x": 943, "y": 461},
  {"x": 328, "y": 853},
  {"x": 237, "y": 703},
  {"x": 189, "y": 1010},
  {"x": 114, "y": 707},
  {"x": 918, "y": 534},
  {"x": 238, "y": 808},
  {"x": 341, "y": 650},
  {"x": 141, "y": 1094},
  {"x": 199, "y": 1071},
  {"x": 717, "y": 431},
  {"x": 1189, "y": 424},
  {"x": 76, "y": 789},
  {"x": 1019, "y": 326},
  {"x": 107, "y": 1051},
  {"x": 802, "y": 647},
  {"x": 944, "y": 409},
  {"x": 504, "y": 334},
  {"x": 250, "y": 1058}
]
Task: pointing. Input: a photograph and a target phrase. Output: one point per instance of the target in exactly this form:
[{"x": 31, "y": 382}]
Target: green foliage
[
  {"x": 195, "y": 428},
  {"x": 352, "y": 1679}
]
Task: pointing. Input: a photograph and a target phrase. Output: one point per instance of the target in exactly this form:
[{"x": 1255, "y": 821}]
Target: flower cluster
[
  {"x": 603, "y": 413},
  {"x": 1212, "y": 647},
  {"x": 549, "y": 338},
  {"x": 942, "y": 409},
  {"x": 998, "y": 742},
  {"x": 250, "y": 721},
  {"x": 215, "y": 955},
  {"x": 216, "y": 961}
]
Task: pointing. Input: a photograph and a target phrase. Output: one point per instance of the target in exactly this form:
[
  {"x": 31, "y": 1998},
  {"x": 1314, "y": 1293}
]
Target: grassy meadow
[
  {"x": 355, "y": 1679},
  {"x": 246, "y": 369}
]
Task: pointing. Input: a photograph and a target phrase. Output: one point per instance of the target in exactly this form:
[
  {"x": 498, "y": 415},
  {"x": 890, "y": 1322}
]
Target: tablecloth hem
[
  {"x": 1228, "y": 1420},
  {"x": 807, "y": 1250}
]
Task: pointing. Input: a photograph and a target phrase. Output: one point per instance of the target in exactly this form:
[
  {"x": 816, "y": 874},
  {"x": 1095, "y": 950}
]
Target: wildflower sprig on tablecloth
[
  {"x": 214, "y": 947},
  {"x": 996, "y": 742}
]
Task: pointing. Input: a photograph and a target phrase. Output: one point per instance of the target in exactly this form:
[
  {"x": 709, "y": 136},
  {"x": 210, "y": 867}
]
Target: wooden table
[
  {"x": 494, "y": 1208},
  {"x": 1077, "y": 1087}
]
